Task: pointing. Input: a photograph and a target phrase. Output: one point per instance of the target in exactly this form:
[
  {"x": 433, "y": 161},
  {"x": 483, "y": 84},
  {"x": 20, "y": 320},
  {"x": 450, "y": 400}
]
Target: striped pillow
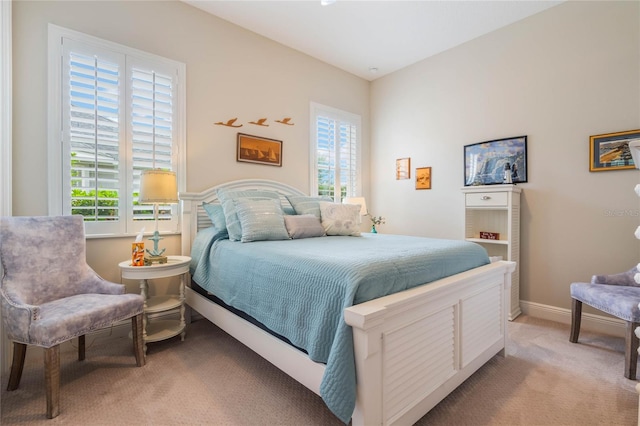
[
  {"x": 261, "y": 220},
  {"x": 227, "y": 201}
]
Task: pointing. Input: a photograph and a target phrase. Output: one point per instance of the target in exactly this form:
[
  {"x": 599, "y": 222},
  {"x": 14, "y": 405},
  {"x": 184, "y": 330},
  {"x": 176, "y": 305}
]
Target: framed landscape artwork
[
  {"x": 255, "y": 149},
  {"x": 486, "y": 163},
  {"x": 423, "y": 178},
  {"x": 611, "y": 151},
  {"x": 403, "y": 168}
]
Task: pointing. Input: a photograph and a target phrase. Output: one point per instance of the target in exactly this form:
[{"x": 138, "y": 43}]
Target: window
[
  {"x": 114, "y": 112},
  {"x": 335, "y": 153}
]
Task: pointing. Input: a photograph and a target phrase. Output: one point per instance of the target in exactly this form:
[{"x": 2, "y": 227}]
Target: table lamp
[
  {"x": 157, "y": 187},
  {"x": 357, "y": 200}
]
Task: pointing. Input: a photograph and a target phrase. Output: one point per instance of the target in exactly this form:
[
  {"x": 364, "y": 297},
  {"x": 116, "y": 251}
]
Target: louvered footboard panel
[
  {"x": 481, "y": 327},
  {"x": 417, "y": 359}
]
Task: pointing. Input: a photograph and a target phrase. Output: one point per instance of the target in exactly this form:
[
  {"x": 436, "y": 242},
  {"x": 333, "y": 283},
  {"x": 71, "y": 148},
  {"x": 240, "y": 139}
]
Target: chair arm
[
  {"x": 96, "y": 284},
  {"x": 623, "y": 278},
  {"x": 18, "y": 317}
]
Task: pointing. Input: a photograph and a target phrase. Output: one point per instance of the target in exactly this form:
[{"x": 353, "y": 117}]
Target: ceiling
[{"x": 372, "y": 38}]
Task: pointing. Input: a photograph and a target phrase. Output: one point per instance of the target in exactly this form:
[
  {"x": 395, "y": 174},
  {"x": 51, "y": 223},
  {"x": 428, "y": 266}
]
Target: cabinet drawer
[{"x": 486, "y": 199}]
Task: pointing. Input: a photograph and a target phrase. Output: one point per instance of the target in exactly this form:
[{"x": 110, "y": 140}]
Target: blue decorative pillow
[
  {"x": 303, "y": 226},
  {"x": 303, "y": 204},
  {"x": 227, "y": 201},
  {"x": 216, "y": 214},
  {"x": 261, "y": 220}
]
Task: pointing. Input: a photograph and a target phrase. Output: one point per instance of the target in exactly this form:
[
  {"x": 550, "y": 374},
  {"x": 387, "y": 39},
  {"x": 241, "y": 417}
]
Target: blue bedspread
[{"x": 300, "y": 288}]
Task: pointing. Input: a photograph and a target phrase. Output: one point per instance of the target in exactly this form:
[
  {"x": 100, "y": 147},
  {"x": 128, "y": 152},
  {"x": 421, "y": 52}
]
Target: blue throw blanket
[{"x": 300, "y": 288}]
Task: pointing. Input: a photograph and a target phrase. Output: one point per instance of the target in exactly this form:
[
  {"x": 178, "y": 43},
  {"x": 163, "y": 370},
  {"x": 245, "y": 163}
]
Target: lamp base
[{"x": 150, "y": 260}]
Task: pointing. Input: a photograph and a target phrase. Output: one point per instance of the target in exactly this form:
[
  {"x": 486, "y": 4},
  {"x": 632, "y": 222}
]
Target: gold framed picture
[
  {"x": 255, "y": 149},
  {"x": 403, "y": 168},
  {"x": 423, "y": 178},
  {"x": 611, "y": 151}
]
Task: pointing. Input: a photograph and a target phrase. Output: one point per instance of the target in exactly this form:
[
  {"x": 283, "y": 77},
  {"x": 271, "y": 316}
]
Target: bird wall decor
[
  {"x": 228, "y": 123},
  {"x": 285, "y": 121},
  {"x": 260, "y": 122}
]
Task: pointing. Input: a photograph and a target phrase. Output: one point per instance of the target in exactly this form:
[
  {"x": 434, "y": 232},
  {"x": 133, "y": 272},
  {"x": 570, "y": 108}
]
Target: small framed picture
[
  {"x": 611, "y": 151},
  {"x": 255, "y": 149},
  {"x": 423, "y": 178},
  {"x": 403, "y": 168}
]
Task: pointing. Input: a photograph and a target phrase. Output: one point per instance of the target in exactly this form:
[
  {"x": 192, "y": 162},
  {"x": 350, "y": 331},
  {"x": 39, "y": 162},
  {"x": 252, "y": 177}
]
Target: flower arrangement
[{"x": 375, "y": 220}]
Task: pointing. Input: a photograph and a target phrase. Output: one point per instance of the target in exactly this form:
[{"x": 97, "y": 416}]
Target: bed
[{"x": 409, "y": 349}]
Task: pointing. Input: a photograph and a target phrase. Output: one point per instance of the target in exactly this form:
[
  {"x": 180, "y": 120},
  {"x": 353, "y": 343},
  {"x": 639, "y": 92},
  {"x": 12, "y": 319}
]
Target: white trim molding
[{"x": 596, "y": 323}]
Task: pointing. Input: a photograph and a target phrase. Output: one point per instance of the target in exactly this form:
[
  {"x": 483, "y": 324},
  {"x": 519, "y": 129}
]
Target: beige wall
[
  {"x": 558, "y": 77},
  {"x": 231, "y": 72}
]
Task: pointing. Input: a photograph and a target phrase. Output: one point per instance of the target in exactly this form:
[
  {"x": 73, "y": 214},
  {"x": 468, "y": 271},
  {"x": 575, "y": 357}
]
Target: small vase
[{"x": 373, "y": 229}]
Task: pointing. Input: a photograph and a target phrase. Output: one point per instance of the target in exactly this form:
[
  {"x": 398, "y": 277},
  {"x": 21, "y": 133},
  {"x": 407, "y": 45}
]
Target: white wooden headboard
[{"x": 194, "y": 218}]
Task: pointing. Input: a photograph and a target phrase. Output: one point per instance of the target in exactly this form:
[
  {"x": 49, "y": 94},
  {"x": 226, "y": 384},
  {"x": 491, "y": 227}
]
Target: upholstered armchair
[
  {"x": 617, "y": 295},
  {"x": 50, "y": 295}
]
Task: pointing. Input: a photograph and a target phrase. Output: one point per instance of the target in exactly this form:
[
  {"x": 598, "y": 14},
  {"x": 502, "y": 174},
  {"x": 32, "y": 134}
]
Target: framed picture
[
  {"x": 423, "y": 178},
  {"x": 254, "y": 149},
  {"x": 487, "y": 163},
  {"x": 611, "y": 151},
  {"x": 403, "y": 168}
]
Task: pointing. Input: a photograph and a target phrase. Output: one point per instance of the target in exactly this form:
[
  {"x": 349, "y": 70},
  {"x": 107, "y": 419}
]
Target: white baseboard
[{"x": 597, "y": 323}]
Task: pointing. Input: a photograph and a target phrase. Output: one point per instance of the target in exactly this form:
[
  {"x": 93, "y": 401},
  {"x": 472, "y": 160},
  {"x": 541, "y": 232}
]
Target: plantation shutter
[
  {"x": 348, "y": 160},
  {"x": 336, "y": 156},
  {"x": 120, "y": 112},
  {"x": 152, "y": 131},
  {"x": 92, "y": 108},
  {"x": 326, "y": 153},
  {"x": 94, "y": 136}
]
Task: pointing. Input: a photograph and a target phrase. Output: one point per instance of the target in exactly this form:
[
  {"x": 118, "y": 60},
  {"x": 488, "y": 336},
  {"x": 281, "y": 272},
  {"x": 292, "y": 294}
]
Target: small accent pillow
[
  {"x": 261, "y": 220},
  {"x": 340, "y": 219},
  {"x": 227, "y": 201},
  {"x": 216, "y": 214},
  {"x": 303, "y": 204},
  {"x": 304, "y": 226}
]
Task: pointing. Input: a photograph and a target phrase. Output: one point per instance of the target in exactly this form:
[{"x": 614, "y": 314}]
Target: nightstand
[{"x": 156, "y": 330}]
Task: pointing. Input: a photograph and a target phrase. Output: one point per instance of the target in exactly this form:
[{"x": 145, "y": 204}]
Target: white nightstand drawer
[{"x": 486, "y": 199}]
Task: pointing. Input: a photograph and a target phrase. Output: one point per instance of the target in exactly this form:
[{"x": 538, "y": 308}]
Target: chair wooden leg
[
  {"x": 52, "y": 380},
  {"x": 631, "y": 351},
  {"x": 138, "y": 342},
  {"x": 17, "y": 365},
  {"x": 81, "y": 348},
  {"x": 576, "y": 317}
]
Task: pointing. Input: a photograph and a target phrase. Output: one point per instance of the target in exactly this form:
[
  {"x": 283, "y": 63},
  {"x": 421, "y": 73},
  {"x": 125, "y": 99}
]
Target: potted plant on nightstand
[{"x": 375, "y": 220}]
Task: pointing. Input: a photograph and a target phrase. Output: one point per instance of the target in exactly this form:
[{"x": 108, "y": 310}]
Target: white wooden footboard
[{"x": 413, "y": 348}]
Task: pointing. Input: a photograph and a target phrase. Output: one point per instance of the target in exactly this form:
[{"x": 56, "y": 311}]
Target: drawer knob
[{"x": 486, "y": 197}]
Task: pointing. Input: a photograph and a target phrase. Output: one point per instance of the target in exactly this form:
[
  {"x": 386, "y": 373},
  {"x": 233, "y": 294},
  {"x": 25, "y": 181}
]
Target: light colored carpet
[{"x": 211, "y": 379}]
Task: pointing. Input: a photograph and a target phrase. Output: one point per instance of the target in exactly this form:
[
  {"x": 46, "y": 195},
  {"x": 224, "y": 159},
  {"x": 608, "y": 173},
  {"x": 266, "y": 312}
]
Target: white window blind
[
  {"x": 335, "y": 153},
  {"x": 151, "y": 131},
  {"x": 120, "y": 111},
  {"x": 93, "y": 135}
]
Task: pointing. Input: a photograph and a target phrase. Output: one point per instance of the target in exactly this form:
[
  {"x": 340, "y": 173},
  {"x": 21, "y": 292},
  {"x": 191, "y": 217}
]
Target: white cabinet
[{"x": 494, "y": 212}]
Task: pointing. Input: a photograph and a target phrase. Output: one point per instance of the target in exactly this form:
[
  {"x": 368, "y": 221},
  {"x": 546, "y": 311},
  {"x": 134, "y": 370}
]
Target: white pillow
[
  {"x": 340, "y": 219},
  {"x": 260, "y": 220},
  {"x": 304, "y": 226}
]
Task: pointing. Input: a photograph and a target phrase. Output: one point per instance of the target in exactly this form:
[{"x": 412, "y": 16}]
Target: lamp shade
[
  {"x": 357, "y": 200},
  {"x": 158, "y": 187}
]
